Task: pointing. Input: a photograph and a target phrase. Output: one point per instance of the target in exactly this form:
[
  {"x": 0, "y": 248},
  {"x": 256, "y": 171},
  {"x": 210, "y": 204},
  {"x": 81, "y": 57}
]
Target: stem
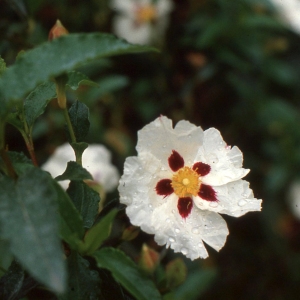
[
  {"x": 9, "y": 167},
  {"x": 69, "y": 124},
  {"x": 30, "y": 148}
]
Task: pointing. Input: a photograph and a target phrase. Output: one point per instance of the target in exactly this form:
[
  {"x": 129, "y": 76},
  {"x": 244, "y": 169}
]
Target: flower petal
[
  {"x": 126, "y": 28},
  {"x": 225, "y": 162},
  {"x": 160, "y": 139},
  {"x": 181, "y": 235},
  {"x": 215, "y": 229},
  {"x": 234, "y": 199}
]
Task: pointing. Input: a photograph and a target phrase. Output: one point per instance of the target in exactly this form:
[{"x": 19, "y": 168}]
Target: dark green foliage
[
  {"x": 86, "y": 200},
  {"x": 74, "y": 172},
  {"x": 79, "y": 116},
  {"x": 127, "y": 273},
  {"x": 32, "y": 201},
  {"x": 83, "y": 282}
]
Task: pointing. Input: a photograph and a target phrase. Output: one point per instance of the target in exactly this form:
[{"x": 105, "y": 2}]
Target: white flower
[
  {"x": 180, "y": 181},
  {"x": 96, "y": 159},
  {"x": 294, "y": 198},
  {"x": 289, "y": 11},
  {"x": 141, "y": 21}
]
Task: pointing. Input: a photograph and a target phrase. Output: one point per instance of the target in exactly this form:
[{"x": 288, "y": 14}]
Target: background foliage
[{"x": 226, "y": 64}]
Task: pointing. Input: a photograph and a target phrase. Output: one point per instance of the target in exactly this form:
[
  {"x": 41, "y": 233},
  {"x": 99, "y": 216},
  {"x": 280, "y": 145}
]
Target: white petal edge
[{"x": 235, "y": 199}]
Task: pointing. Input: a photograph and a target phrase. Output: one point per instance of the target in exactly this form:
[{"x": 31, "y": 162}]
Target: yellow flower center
[
  {"x": 146, "y": 14},
  {"x": 185, "y": 182}
]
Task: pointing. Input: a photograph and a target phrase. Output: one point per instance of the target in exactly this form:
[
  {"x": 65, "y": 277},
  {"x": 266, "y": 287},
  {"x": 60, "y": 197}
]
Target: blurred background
[{"x": 233, "y": 65}]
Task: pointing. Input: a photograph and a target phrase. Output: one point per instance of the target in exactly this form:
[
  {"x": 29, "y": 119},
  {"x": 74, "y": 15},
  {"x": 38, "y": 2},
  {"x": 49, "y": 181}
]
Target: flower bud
[
  {"x": 57, "y": 30},
  {"x": 149, "y": 259}
]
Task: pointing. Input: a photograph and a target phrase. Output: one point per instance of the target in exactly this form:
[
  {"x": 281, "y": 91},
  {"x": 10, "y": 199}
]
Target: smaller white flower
[
  {"x": 294, "y": 198},
  {"x": 179, "y": 183},
  {"x": 289, "y": 11},
  {"x": 141, "y": 21},
  {"x": 96, "y": 159}
]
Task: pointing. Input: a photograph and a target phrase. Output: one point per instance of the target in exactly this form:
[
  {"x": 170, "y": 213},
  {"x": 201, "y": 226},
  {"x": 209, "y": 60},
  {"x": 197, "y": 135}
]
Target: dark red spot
[
  {"x": 176, "y": 161},
  {"x": 207, "y": 193},
  {"x": 185, "y": 206},
  {"x": 164, "y": 188},
  {"x": 201, "y": 168}
]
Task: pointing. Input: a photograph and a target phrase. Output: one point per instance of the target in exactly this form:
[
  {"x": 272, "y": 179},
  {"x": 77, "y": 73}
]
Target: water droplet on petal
[
  {"x": 150, "y": 205},
  {"x": 242, "y": 202},
  {"x": 171, "y": 240},
  {"x": 213, "y": 204},
  {"x": 200, "y": 245},
  {"x": 168, "y": 220},
  {"x": 173, "y": 211},
  {"x": 177, "y": 230},
  {"x": 189, "y": 136},
  {"x": 195, "y": 230},
  {"x": 184, "y": 251}
]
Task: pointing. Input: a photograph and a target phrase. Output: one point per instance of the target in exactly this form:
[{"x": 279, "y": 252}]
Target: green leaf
[
  {"x": 20, "y": 161},
  {"x": 71, "y": 224},
  {"x": 37, "y": 101},
  {"x": 75, "y": 79},
  {"x": 56, "y": 57},
  {"x": 83, "y": 283},
  {"x": 74, "y": 172},
  {"x": 28, "y": 219},
  {"x": 125, "y": 271},
  {"x": 14, "y": 119},
  {"x": 195, "y": 285},
  {"x": 2, "y": 66},
  {"x": 79, "y": 116},
  {"x": 98, "y": 234},
  {"x": 86, "y": 201},
  {"x": 11, "y": 283}
]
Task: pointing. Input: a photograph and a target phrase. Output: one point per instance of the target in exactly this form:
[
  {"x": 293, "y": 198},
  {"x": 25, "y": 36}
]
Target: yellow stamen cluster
[
  {"x": 146, "y": 14},
  {"x": 186, "y": 182}
]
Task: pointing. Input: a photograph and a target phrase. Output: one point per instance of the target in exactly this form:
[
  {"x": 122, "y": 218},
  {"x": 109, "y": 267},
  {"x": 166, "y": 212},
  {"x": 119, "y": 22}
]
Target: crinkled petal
[
  {"x": 124, "y": 27},
  {"x": 225, "y": 162},
  {"x": 182, "y": 235},
  {"x": 215, "y": 231},
  {"x": 159, "y": 138},
  {"x": 137, "y": 190},
  {"x": 234, "y": 199}
]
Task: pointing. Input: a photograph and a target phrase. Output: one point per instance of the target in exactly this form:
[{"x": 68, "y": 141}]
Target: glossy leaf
[
  {"x": 83, "y": 283},
  {"x": 11, "y": 283},
  {"x": 125, "y": 271},
  {"x": 76, "y": 79},
  {"x": 86, "y": 201},
  {"x": 37, "y": 101},
  {"x": 74, "y": 172},
  {"x": 98, "y": 234},
  {"x": 79, "y": 116},
  {"x": 28, "y": 219},
  {"x": 56, "y": 57},
  {"x": 71, "y": 224}
]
